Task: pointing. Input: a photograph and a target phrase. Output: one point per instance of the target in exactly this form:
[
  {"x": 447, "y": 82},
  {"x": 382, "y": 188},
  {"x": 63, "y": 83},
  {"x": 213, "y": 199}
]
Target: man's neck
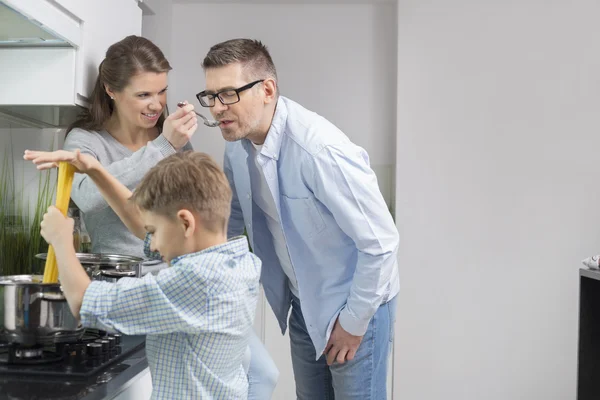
[{"x": 263, "y": 129}]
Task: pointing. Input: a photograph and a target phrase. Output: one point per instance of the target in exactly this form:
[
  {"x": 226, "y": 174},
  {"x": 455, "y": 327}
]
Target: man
[{"x": 315, "y": 216}]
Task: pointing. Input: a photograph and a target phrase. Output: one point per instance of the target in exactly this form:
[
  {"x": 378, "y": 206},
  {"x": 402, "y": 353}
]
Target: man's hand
[
  {"x": 56, "y": 228},
  {"x": 341, "y": 346}
]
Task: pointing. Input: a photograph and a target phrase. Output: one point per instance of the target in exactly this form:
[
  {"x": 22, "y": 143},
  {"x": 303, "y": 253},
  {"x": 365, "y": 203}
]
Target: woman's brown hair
[{"x": 123, "y": 60}]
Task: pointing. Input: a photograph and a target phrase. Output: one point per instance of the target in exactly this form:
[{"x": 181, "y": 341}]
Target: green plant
[{"x": 20, "y": 238}]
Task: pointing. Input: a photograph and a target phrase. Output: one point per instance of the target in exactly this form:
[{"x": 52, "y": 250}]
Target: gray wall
[{"x": 497, "y": 195}]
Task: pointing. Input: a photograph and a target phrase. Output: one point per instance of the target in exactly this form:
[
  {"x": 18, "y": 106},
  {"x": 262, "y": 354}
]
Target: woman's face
[{"x": 143, "y": 100}]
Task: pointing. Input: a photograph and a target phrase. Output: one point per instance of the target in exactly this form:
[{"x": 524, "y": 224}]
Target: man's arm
[{"x": 341, "y": 178}]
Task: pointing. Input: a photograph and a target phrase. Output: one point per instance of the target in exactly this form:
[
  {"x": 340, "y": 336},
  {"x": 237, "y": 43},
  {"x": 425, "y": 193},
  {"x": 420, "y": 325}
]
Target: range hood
[
  {"x": 16, "y": 30},
  {"x": 50, "y": 51},
  {"x": 20, "y": 32},
  {"x": 40, "y": 116}
]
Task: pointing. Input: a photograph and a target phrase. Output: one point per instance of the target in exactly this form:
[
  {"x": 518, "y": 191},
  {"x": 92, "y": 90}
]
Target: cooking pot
[
  {"x": 94, "y": 263},
  {"x": 113, "y": 275},
  {"x": 32, "y": 312}
]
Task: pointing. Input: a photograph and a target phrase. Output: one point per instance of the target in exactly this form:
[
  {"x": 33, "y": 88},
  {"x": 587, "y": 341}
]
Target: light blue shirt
[
  {"x": 197, "y": 316},
  {"x": 340, "y": 235}
]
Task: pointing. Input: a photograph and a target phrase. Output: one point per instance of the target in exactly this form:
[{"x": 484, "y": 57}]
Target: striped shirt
[{"x": 197, "y": 316}]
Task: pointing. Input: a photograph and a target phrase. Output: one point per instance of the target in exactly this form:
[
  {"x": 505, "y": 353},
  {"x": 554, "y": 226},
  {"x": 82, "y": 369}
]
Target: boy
[{"x": 197, "y": 314}]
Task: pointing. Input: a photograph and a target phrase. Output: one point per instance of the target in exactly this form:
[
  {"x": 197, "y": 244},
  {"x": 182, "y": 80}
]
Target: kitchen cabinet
[
  {"x": 588, "y": 360},
  {"x": 104, "y": 23},
  {"x": 89, "y": 27}
]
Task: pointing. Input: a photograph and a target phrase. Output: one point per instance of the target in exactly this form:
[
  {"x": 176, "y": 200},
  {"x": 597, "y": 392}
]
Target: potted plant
[{"x": 20, "y": 218}]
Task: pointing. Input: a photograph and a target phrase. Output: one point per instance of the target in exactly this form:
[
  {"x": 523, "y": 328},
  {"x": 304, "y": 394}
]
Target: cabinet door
[
  {"x": 105, "y": 22},
  {"x": 51, "y": 16}
]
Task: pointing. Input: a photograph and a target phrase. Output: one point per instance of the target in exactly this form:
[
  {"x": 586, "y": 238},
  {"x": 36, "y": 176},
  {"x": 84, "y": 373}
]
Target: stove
[
  {"x": 83, "y": 357},
  {"x": 94, "y": 367}
]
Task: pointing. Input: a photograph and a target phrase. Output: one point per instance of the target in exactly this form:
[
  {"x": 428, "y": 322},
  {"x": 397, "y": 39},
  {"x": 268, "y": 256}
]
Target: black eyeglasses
[{"x": 226, "y": 97}]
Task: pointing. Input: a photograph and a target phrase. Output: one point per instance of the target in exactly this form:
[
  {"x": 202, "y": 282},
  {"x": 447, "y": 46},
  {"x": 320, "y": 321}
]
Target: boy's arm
[
  {"x": 175, "y": 300},
  {"x": 73, "y": 278},
  {"x": 128, "y": 170},
  {"x": 58, "y": 231},
  {"x": 193, "y": 296},
  {"x": 116, "y": 194}
]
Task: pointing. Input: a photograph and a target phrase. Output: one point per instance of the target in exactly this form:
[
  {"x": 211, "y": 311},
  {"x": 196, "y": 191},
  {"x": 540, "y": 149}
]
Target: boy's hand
[
  {"x": 56, "y": 228},
  {"x": 84, "y": 163},
  {"x": 180, "y": 126}
]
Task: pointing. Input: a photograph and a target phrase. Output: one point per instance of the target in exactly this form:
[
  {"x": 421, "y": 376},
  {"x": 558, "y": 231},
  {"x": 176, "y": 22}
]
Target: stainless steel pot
[
  {"x": 94, "y": 263},
  {"x": 33, "y": 312},
  {"x": 113, "y": 275}
]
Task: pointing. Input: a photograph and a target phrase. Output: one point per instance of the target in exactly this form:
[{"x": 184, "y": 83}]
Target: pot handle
[{"x": 46, "y": 296}]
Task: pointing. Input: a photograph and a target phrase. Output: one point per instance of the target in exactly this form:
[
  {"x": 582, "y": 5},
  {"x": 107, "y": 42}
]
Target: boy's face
[{"x": 168, "y": 234}]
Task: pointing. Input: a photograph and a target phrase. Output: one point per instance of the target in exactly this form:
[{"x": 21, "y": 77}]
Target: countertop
[{"x": 590, "y": 273}]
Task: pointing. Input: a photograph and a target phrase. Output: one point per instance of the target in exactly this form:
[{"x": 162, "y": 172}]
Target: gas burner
[
  {"x": 80, "y": 358},
  {"x": 20, "y": 355},
  {"x": 29, "y": 352}
]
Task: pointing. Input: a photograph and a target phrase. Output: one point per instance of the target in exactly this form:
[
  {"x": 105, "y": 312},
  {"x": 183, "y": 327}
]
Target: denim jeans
[
  {"x": 262, "y": 371},
  {"x": 362, "y": 378}
]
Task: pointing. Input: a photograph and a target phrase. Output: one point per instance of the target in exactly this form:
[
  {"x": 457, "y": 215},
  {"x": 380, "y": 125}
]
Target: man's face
[{"x": 243, "y": 118}]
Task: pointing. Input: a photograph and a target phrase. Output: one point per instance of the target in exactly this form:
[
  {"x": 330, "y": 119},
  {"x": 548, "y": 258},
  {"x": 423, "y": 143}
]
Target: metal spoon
[{"x": 207, "y": 122}]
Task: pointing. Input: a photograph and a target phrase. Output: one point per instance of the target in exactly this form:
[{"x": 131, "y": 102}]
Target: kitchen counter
[
  {"x": 588, "y": 362},
  {"x": 106, "y": 385}
]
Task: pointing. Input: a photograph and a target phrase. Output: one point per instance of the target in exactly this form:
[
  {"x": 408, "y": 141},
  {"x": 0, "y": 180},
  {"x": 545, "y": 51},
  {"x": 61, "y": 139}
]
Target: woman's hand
[
  {"x": 180, "y": 126},
  {"x": 84, "y": 163}
]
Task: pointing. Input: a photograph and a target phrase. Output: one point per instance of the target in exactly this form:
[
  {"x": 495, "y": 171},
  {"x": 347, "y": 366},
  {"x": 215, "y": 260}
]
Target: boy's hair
[{"x": 187, "y": 180}]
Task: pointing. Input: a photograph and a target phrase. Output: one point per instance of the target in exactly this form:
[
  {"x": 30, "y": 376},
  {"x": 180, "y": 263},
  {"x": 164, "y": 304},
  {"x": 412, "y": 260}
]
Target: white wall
[
  {"x": 497, "y": 195},
  {"x": 338, "y": 60},
  {"x": 157, "y": 23}
]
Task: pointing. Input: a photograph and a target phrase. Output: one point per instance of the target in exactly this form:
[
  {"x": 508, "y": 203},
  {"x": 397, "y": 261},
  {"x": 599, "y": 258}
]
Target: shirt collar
[
  {"x": 272, "y": 145},
  {"x": 235, "y": 247}
]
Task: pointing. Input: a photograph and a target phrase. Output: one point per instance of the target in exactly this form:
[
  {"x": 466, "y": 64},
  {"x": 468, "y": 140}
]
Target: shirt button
[{"x": 249, "y": 195}]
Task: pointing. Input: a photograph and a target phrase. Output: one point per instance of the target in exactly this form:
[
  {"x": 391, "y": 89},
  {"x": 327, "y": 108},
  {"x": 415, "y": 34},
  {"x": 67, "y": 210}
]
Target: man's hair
[
  {"x": 251, "y": 54},
  {"x": 187, "y": 180}
]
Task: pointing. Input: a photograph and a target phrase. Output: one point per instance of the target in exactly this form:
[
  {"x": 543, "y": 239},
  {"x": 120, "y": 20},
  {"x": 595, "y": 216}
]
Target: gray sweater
[{"x": 107, "y": 232}]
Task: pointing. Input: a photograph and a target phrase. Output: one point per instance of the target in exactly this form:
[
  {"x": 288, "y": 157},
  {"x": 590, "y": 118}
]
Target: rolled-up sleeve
[
  {"x": 152, "y": 255},
  {"x": 175, "y": 300},
  {"x": 341, "y": 179}
]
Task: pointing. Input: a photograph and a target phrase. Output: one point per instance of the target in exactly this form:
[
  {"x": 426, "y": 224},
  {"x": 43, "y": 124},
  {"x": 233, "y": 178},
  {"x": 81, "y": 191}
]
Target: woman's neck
[{"x": 132, "y": 137}]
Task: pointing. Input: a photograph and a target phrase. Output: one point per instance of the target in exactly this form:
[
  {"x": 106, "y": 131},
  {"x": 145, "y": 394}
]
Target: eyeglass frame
[{"x": 216, "y": 95}]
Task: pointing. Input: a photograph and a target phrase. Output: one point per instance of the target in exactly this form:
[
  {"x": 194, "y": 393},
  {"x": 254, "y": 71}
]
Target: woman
[{"x": 126, "y": 130}]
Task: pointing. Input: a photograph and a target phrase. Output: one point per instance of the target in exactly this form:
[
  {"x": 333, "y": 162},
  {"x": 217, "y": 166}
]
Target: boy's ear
[{"x": 188, "y": 222}]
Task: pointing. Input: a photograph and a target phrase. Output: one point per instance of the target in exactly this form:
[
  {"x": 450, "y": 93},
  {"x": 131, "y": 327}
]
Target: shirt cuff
[
  {"x": 95, "y": 303},
  {"x": 353, "y": 325},
  {"x": 152, "y": 255},
  {"x": 164, "y": 146}
]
